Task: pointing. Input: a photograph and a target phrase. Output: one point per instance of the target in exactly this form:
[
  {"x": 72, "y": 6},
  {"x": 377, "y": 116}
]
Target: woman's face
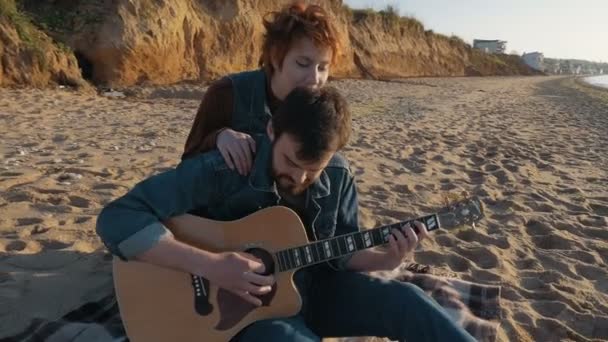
[{"x": 304, "y": 65}]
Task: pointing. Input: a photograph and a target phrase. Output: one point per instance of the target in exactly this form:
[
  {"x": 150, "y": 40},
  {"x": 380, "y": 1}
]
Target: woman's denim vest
[{"x": 250, "y": 112}]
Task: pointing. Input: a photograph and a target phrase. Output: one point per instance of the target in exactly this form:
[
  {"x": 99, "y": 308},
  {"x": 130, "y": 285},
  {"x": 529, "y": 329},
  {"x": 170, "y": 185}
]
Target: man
[{"x": 296, "y": 165}]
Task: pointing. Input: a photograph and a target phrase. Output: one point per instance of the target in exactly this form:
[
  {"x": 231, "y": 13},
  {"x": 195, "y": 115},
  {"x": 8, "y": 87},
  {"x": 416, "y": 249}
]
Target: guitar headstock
[{"x": 465, "y": 211}]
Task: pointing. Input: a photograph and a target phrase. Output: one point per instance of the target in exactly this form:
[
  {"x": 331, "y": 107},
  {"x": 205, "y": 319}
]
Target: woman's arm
[{"x": 214, "y": 115}]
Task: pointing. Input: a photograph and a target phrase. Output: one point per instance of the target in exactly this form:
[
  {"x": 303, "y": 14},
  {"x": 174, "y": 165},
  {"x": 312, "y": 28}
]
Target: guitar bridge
[{"x": 200, "y": 286}]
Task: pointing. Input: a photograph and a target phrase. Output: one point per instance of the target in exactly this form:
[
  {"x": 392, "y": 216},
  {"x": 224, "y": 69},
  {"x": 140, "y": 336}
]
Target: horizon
[{"x": 562, "y": 21}]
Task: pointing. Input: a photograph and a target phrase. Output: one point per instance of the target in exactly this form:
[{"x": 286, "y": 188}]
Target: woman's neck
[{"x": 275, "y": 88}]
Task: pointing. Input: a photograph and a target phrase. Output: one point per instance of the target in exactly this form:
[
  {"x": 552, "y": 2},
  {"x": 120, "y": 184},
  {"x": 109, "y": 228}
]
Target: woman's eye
[{"x": 303, "y": 65}]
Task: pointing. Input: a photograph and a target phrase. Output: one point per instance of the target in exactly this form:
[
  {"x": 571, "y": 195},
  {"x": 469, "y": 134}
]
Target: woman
[{"x": 300, "y": 46}]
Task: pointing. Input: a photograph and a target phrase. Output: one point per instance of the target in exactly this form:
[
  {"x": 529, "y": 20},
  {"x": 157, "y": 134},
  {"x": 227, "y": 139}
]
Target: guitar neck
[{"x": 339, "y": 246}]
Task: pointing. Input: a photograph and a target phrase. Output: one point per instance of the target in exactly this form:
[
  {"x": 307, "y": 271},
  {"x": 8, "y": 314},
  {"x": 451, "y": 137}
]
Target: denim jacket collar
[{"x": 261, "y": 176}]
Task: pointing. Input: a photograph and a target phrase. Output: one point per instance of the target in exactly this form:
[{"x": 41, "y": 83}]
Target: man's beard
[
  {"x": 286, "y": 185},
  {"x": 284, "y": 182}
]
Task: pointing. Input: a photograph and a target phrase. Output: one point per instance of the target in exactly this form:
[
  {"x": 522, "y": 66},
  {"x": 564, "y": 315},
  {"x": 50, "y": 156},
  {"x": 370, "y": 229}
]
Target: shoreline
[
  {"x": 589, "y": 79},
  {"x": 582, "y": 81},
  {"x": 596, "y": 92}
]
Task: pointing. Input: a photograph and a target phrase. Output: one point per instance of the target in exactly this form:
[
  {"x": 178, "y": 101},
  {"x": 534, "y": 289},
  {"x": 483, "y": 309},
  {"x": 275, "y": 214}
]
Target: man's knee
[
  {"x": 410, "y": 292},
  {"x": 412, "y": 300}
]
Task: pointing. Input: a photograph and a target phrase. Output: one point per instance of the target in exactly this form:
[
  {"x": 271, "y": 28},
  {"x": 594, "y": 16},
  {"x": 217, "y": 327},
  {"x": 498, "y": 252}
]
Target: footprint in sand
[
  {"x": 482, "y": 256},
  {"x": 554, "y": 329},
  {"x": 82, "y": 219},
  {"x": 599, "y": 209},
  {"x": 27, "y": 221},
  {"x": 445, "y": 240},
  {"x": 487, "y": 276},
  {"x": 458, "y": 263},
  {"x": 471, "y": 235},
  {"x": 491, "y": 167},
  {"x": 528, "y": 263},
  {"x": 18, "y": 196},
  {"x": 552, "y": 242},
  {"x": 539, "y": 207},
  {"x": 16, "y": 246},
  {"x": 11, "y": 174},
  {"x": 55, "y": 200},
  {"x": 476, "y": 160},
  {"x": 553, "y": 309},
  {"x": 62, "y": 209},
  {"x": 38, "y": 229},
  {"x": 401, "y": 189},
  {"x": 582, "y": 256},
  {"x": 414, "y": 165},
  {"x": 438, "y": 158},
  {"x": 476, "y": 177},
  {"x": 523, "y": 318},
  {"x": 79, "y": 202},
  {"x": 502, "y": 177},
  {"x": 534, "y": 227},
  {"x": 54, "y": 244},
  {"x": 50, "y": 191},
  {"x": 509, "y": 165},
  {"x": 448, "y": 187},
  {"x": 105, "y": 186},
  {"x": 532, "y": 283}
]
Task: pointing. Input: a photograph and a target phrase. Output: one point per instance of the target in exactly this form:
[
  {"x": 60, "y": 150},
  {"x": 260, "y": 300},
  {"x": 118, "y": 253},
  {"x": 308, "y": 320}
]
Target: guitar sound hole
[{"x": 266, "y": 258}]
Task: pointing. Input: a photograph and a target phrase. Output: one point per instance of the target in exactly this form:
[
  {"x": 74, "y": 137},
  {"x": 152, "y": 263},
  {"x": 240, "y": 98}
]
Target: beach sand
[{"x": 535, "y": 150}]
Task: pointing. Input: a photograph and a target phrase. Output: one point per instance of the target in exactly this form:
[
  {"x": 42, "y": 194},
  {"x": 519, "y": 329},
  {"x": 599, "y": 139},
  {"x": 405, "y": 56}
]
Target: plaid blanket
[{"x": 474, "y": 306}]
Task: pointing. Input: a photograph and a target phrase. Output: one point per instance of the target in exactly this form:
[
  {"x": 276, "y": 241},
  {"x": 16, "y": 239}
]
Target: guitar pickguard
[{"x": 234, "y": 308}]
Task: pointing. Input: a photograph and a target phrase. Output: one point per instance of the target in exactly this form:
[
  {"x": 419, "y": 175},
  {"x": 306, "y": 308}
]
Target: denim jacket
[
  {"x": 132, "y": 224},
  {"x": 250, "y": 111}
]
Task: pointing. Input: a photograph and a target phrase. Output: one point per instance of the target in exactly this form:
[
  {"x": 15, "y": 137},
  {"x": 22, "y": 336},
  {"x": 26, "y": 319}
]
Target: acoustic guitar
[{"x": 162, "y": 304}]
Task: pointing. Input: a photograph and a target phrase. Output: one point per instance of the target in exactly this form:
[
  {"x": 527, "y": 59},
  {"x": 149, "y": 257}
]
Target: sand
[{"x": 535, "y": 150}]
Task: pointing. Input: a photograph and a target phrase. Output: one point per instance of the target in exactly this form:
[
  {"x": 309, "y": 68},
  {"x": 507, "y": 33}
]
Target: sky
[{"x": 557, "y": 28}]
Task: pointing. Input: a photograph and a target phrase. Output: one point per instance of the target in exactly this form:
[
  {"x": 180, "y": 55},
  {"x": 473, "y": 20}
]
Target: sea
[{"x": 600, "y": 81}]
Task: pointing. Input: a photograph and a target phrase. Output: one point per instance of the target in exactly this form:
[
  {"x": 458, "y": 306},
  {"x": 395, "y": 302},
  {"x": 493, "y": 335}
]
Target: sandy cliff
[{"x": 128, "y": 42}]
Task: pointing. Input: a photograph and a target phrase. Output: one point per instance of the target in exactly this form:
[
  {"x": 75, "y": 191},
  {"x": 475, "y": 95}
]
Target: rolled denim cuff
[{"x": 143, "y": 240}]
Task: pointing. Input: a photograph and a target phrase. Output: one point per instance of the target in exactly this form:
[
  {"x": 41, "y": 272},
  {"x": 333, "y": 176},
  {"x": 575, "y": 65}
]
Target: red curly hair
[{"x": 292, "y": 23}]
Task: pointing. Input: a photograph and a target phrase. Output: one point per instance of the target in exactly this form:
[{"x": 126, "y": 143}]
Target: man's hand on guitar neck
[
  {"x": 401, "y": 245},
  {"x": 236, "y": 272}
]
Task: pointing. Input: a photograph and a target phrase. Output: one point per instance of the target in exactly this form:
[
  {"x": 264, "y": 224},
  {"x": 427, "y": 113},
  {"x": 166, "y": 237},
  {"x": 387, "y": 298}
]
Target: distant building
[
  {"x": 490, "y": 46},
  {"x": 534, "y": 59}
]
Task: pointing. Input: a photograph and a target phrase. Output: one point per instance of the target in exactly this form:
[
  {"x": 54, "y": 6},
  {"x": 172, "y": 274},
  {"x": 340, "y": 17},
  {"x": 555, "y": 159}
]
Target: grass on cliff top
[
  {"x": 390, "y": 16},
  {"x": 28, "y": 32},
  {"x": 20, "y": 21}
]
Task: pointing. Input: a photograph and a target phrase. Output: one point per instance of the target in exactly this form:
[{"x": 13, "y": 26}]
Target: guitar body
[{"x": 161, "y": 304}]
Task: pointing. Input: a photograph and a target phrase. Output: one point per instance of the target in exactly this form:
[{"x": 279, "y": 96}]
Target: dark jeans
[{"x": 345, "y": 304}]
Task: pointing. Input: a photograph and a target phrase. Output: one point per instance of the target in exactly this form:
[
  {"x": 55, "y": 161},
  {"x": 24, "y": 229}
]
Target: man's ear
[
  {"x": 274, "y": 61},
  {"x": 270, "y": 130}
]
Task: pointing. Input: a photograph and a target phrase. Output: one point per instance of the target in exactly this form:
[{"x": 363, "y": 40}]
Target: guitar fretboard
[{"x": 339, "y": 246}]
